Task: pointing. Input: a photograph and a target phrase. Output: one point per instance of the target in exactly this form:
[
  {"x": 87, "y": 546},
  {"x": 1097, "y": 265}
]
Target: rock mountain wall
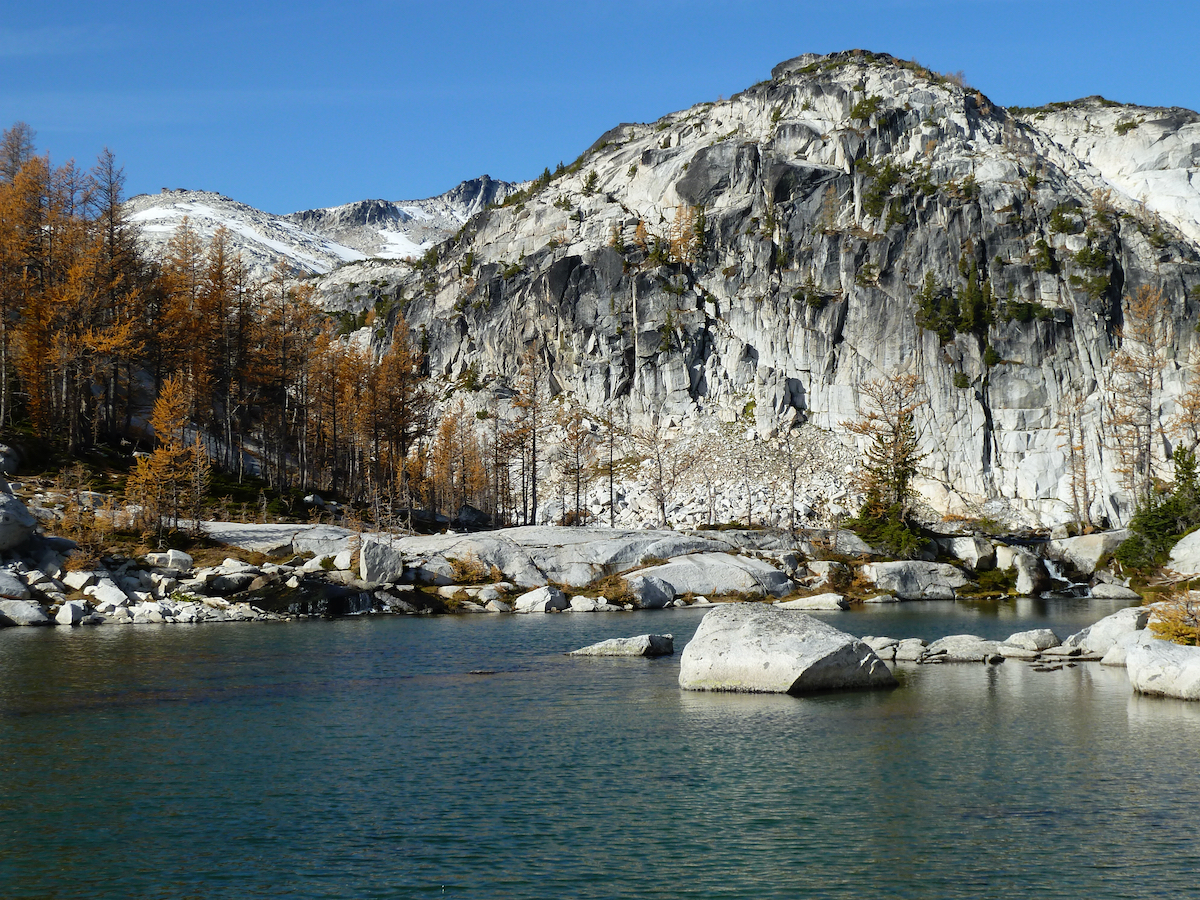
[
  {"x": 828, "y": 194},
  {"x": 826, "y": 197}
]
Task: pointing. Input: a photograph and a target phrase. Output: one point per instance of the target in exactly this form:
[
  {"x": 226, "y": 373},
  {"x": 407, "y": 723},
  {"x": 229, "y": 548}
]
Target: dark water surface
[{"x": 359, "y": 758}]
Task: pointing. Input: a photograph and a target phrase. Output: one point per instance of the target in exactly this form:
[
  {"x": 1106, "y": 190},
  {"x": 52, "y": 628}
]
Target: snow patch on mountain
[{"x": 314, "y": 241}]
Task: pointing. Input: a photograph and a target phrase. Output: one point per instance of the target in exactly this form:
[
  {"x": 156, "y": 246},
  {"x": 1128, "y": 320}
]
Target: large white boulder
[
  {"x": 1160, "y": 667},
  {"x": 974, "y": 552},
  {"x": 22, "y": 612},
  {"x": 754, "y": 647},
  {"x": 650, "y": 592},
  {"x": 543, "y": 599},
  {"x": 12, "y": 587},
  {"x": 1100, "y": 636},
  {"x": 1084, "y": 552},
  {"x": 916, "y": 580},
  {"x": 106, "y": 591},
  {"x": 380, "y": 562},
  {"x": 1115, "y": 592},
  {"x": 1117, "y": 654},
  {"x": 79, "y": 580},
  {"x": 720, "y": 573},
  {"x": 1037, "y": 639},
  {"x": 642, "y": 645},
  {"x": 16, "y": 521},
  {"x": 71, "y": 613},
  {"x": 1032, "y": 577}
]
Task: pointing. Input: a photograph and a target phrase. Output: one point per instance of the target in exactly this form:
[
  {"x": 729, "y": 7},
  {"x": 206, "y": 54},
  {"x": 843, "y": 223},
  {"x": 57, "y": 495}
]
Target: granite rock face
[
  {"x": 758, "y": 648},
  {"x": 830, "y": 193}
]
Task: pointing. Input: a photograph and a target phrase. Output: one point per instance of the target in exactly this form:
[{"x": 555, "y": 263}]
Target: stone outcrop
[
  {"x": 757, "y": 648},
  {"x": 1084, "y": 553},
  {"x": 642, "y": 645},
  {"x": 1185, "y": 555},
  {"x": 22, "y": 612}
]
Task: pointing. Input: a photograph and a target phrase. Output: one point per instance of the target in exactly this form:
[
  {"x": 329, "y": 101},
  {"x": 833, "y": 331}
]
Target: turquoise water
[{"x": 359, "y": 758}]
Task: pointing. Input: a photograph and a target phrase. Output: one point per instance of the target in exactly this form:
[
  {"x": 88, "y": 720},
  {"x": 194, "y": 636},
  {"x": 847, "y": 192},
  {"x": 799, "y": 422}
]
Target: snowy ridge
[{"x": 314, "y": 241}]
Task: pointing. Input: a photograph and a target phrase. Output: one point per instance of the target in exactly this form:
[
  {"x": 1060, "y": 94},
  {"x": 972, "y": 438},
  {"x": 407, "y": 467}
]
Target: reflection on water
[{"x": 362, "y": 759}]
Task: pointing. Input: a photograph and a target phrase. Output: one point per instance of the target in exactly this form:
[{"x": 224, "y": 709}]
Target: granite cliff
[
  {"x": 842, "y": 207},
  {"x": 755, "y": 260}
]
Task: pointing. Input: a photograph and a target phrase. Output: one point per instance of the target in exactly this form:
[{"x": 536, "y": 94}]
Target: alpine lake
[{"x": 467, "y": 756}]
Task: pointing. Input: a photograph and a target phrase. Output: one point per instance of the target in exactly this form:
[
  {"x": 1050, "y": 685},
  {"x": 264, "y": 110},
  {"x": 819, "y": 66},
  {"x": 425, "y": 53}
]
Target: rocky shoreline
[{"x": 324, "y": 571}]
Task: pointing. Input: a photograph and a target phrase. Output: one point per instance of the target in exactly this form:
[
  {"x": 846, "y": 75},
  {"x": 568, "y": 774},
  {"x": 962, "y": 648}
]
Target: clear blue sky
[{"x": 295, "y": 105}]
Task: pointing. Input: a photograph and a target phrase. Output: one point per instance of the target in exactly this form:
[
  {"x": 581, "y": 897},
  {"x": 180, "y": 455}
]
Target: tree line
[{"x": 98, "y": 341}]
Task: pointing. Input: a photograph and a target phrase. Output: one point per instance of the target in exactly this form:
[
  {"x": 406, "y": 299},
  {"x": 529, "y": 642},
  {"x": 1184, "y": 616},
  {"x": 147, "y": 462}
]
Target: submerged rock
[
  {"x": 642, "y": 645},
  {"x": 757, "y": 648}
]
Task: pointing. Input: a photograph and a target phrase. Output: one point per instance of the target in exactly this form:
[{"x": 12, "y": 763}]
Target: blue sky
[{"x": 296, "y": 105}]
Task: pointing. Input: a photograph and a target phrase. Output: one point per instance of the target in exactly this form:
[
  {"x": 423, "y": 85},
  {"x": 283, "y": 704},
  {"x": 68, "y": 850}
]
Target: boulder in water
[
  {"x": 1165, "y": 669},
  {"x": 757, "y": 648}
]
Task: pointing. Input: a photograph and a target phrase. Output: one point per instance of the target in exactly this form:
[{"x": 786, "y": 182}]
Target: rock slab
[{"x": 757, "y": 648}]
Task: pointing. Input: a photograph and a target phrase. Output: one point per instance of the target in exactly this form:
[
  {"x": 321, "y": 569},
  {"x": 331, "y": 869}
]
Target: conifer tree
[
  {"x": 1135, "y": 392},
  {"x": 172, "y": 480},
  {"x": 891, "y": 462}
]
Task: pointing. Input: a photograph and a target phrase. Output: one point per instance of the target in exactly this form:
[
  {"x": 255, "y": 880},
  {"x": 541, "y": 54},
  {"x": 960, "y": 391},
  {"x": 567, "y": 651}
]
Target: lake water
[{"x": 360, "y": 758}]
